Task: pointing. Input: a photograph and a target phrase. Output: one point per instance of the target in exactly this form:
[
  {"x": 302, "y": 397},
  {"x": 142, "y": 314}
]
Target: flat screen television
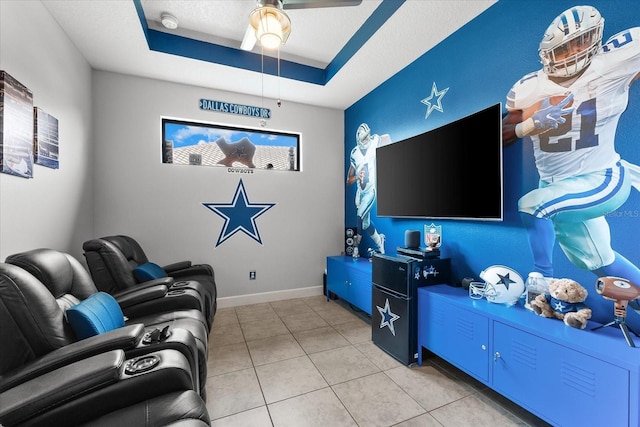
[{"x": 452, "y": 172}]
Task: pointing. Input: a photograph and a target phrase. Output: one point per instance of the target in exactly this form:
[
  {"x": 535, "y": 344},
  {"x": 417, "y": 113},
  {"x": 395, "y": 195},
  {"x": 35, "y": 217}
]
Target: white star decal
[
  {"x": 438, "y": 104},
  {"x": 559, "y": 306},
  {"x": 387, "y": 317},
  {"x": 431, "y": 270}
]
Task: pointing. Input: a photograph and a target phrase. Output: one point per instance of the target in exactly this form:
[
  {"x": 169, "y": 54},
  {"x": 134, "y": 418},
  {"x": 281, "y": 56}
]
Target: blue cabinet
[
  {"x": 458, "y": 336},
  {"x": 350, "y": 279},
  {"x": 538, "y": 373},
  {"x": 565, "y": 376}
]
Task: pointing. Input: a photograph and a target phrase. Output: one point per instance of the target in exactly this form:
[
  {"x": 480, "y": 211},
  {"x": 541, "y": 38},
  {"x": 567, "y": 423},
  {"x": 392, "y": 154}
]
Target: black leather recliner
[
  {"x": 48, "y": 379},
  {"x": 112, "y": 261},
  {"x": 69, "y": 283}
]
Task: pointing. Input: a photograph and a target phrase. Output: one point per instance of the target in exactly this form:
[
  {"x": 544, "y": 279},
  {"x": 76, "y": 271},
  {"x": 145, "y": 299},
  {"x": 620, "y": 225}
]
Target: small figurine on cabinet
[
  {"x": 356, "y": 251},
  {"x": 565, "y": 301},
  {"x": 433, "y": 236}
]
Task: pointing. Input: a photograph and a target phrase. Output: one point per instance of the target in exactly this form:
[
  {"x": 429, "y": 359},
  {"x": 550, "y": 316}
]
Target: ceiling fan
[{"x": 270, "y": 24}]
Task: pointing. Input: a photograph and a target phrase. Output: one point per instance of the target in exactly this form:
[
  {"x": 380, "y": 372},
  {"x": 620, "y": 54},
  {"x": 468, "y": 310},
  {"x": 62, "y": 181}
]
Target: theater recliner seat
[
  {"x": 47, "y": 379},
  {"x": 177, "y": 409},
  {"x": 115, "y": 264},
  {"x": 69, "y": 283}
]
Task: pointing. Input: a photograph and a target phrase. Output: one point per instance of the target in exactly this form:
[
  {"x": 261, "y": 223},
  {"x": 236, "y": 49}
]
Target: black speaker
[
  {"x": 466, "y": 282},
  {"x": 412, "y": 239},
  {"x": 349, "y": 239}
]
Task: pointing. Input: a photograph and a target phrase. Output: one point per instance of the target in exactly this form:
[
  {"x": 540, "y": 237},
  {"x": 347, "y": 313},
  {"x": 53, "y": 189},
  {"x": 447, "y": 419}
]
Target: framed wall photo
[
  {"x": 193, "y": 143},
  {"x": 45, "y": 141},
  {"x": 16, "y": 127}
]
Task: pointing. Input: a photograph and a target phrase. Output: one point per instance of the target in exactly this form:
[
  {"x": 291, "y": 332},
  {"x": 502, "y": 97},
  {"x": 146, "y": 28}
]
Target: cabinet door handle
[
  {"x": 496, "y": 356},
  {"x": 484, "y": 347}
]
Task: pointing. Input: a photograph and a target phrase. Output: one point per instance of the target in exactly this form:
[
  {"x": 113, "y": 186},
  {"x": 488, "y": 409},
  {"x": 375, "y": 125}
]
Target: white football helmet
[
  {"x": 501, "y": 285},
  {"x": 363, "y": 136},
  {"x": 571, "y": 41}
]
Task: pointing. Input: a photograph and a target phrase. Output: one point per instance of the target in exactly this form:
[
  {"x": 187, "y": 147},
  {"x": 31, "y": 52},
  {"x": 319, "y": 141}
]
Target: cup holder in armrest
[
  {"x": 174, "y": 292},
  {"x": 141, "y": 364},
  {"x": 180, "y": 284},
  {"x": 156, "y": 336}
]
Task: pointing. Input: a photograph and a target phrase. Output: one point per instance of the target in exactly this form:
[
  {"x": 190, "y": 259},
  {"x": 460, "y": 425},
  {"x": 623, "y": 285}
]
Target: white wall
[
  {"x": 111, "y": 179},
  {"x": 54, "y": 209},
  {"x": 161, "y": 205}
]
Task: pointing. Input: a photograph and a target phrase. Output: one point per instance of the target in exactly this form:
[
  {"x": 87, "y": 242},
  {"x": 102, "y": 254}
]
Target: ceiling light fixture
[
  {"x": 169, "y": 21},
  {"x": 271, "y": 26},
  {"x": 270, "y": 23}
]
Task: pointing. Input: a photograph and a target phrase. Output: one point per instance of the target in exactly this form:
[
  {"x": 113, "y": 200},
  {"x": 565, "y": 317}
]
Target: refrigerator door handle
[{"x": 392, "y": 293}]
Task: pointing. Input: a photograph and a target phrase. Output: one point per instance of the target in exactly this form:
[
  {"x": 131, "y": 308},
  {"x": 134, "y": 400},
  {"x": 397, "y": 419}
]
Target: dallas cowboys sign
[{"x": 231, "y": 108}]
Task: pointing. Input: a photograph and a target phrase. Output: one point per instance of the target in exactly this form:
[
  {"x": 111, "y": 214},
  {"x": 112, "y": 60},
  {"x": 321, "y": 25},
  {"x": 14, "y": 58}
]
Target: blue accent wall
[{"x": 479, "y": 64}]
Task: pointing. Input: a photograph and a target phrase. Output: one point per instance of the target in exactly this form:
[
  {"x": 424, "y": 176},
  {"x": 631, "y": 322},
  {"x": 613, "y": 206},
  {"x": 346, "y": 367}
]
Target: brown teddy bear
[{"x": 565, "y": 301}]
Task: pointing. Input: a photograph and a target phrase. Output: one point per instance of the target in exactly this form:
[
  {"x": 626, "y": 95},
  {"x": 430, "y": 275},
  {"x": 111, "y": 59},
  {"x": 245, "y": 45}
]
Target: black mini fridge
[{"x": 394, "y": 301}]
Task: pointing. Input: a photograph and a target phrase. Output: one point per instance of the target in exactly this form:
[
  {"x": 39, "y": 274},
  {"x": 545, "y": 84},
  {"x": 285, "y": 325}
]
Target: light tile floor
[{"x": 311, "y": 362}]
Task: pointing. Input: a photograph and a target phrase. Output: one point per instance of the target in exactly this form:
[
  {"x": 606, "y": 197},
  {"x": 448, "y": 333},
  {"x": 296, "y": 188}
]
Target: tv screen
[{"x": 452, "y": 172}]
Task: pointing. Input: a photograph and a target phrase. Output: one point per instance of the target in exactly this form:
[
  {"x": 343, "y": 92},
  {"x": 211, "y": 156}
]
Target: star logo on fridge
[
  {"x": 430, "y": 271},
  {"x": 387, "y": 317}
]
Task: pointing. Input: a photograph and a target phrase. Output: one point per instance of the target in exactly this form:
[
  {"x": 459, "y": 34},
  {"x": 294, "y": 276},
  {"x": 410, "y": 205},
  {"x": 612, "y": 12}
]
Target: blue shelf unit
[
  {"x": 564, "y": 375},
  {"x": 350, "y": 279}
]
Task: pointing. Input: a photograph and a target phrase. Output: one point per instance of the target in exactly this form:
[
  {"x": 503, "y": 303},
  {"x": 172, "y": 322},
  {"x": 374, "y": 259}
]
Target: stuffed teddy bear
[{"x": 565, "y": 301}]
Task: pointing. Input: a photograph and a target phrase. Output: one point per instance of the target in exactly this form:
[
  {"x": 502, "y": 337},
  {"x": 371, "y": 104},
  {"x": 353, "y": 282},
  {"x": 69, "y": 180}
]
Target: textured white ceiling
[{"x": 110, "y": 36}]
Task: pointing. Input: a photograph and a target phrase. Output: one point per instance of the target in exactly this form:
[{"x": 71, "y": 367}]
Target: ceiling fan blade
[
  {"x": 249, "y": 40},
  {"x": 311, "y": 4}
]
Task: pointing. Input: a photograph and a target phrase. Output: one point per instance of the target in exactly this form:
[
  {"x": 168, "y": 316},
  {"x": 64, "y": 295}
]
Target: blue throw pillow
[
  {"x": 149, "y": 271},
  {"x": 95, "y": 315}
]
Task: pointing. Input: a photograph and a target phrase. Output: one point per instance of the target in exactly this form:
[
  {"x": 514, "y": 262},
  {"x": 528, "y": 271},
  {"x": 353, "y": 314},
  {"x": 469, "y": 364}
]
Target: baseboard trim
[{"x": 269, "y": 296}]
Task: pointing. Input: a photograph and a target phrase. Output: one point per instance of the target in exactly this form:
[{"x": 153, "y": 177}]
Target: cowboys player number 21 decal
[{"x": 587, "y": 115}]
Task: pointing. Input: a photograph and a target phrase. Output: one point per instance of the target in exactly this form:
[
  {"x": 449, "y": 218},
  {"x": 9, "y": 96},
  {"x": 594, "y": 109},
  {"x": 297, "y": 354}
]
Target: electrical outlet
[{"x": 252, "y": 275}]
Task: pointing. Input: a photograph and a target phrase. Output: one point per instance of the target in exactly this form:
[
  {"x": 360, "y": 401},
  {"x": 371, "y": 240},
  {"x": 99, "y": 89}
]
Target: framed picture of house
[
  {"x": 45, "y": 141},
  {"x": 206, "y": 144},
  {"x": 16, "y": 127}
]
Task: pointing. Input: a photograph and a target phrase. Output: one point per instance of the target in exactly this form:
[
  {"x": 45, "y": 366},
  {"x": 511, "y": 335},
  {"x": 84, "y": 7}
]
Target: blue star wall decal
[
  {"x": 239, "y": 215},
  {"x": 387, "y": 317},
  {"x": 438, "y": 104}
]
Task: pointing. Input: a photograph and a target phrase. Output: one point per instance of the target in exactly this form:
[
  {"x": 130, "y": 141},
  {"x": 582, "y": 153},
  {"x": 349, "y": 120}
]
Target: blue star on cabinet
[
  {"x": 387, "y": 317},
  {"x": 239, "y": 215}
]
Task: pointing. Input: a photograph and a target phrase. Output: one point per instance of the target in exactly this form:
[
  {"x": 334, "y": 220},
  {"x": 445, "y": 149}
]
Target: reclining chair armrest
[
  {"x": 166, "y": 281},
  {"x": 178, "y": 339},
  {"x": 193, "y": 271},
  {"x": 175, "y": 266},
  {"x": 154, "y": 374},
  {"x": 126, "y": 339},
  {"x": 53, "y": 388},
  {"x": 182, "y": 298},
  {"x": 137, "y": 296}
]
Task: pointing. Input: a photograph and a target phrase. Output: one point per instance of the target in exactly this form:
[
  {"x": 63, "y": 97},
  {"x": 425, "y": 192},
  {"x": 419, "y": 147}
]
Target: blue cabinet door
[
  {"x": 566, "y": 387},
  {"x": 337, "y": 277},
  {"x": 457, "y": 335},
  {"x": 360, "y": 290},
  {"x": 350, "y": 279}
]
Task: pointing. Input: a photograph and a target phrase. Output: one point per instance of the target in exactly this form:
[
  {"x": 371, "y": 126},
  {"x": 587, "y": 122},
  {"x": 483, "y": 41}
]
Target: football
[{"x": 617, "y": 288}]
